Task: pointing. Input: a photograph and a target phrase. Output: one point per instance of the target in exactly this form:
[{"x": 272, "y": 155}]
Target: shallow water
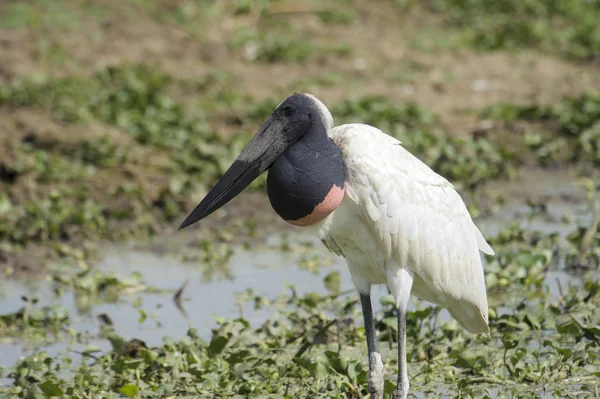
[
  {"x": 559, "y": 190},
  {"x": 266, "y": 269}
]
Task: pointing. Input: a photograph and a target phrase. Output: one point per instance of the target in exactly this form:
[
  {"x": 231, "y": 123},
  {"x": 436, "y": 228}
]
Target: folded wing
[{"x": 420, "y": 221}]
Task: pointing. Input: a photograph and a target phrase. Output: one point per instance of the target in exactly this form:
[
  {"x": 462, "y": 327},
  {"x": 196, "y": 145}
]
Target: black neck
[{"x": 304, "y": 174}]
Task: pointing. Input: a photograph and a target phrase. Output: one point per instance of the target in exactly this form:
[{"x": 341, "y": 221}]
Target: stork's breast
[
  {"x": 323, "y": 209},
  {"x": 306, "y": 183}
]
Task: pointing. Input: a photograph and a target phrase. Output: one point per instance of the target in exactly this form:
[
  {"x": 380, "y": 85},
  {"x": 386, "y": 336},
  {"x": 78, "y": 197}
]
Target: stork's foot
[
  {"x": 401, "y": 391},
  {"x": 376, "y": 376}
]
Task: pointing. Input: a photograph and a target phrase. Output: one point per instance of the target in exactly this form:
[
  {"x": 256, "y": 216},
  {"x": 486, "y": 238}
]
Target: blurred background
[{"x": 117, "y": 116}]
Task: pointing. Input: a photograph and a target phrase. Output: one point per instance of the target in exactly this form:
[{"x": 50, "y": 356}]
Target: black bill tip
[
  {"x": 237, "y": 177},
  {"x": 185, "y": 223}
]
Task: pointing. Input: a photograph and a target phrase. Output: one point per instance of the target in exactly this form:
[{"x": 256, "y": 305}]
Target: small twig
[
  {"x": 490, "y": 380},
  {"x": 281, "y": 11},
  {"x": 588, "y": 239},
  {"x": 177, "y": 300},
  {"x": 560, "y": 289},
  {"x": 84, "y": 354},
  {"x": 307, "y": 344},
  {"x": 105, "y": 320},
  {"x": 339, "y": 335},
  {"x": 289, "y": 11},
  {"x": 177, "y": 296}
]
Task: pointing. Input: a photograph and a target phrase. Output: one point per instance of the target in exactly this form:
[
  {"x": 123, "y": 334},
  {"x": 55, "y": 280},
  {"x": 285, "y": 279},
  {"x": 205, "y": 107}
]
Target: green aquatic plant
[
  {"x": 540, "y": 344},
  {"x": 134, "y": 99},
  {"x": 149, "y": 156},
  {"x": 544, "y": 338},
  {"x": 574, "y": 120},
  {"x": 34, "y": 321},
  {"x": 567, "y": 28}
]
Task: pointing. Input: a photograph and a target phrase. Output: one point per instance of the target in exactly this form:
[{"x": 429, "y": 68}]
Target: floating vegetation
[
  {"x": 545, "y": 339},
  {"x": 34, "y": 321},
  {"x": 538, "y": 344}
]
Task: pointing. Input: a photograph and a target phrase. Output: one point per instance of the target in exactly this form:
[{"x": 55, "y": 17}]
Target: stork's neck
[
  {"x": 306, "y": 183},
  {"x": 317, "y": 139}
]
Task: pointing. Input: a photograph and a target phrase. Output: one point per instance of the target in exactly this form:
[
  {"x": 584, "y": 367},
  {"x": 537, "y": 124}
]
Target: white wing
[{"x": 419, "y": 220}]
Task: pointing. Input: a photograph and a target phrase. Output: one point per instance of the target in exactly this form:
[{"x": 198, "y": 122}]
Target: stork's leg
[
  {"x": 400, "y": 284},
  {"x": 376, "y": 372}
]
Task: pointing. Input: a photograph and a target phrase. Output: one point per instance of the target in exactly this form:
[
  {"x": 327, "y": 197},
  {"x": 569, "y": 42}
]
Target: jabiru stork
[{"x": 392, "y": 218}]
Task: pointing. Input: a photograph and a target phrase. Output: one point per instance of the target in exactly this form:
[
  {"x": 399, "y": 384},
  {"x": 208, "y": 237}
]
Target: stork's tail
[{"x": 469, "y": 316}]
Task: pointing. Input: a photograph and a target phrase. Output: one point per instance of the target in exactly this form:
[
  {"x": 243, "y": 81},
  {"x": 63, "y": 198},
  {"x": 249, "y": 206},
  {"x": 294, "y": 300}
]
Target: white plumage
[{"x": 399, "y": 214}]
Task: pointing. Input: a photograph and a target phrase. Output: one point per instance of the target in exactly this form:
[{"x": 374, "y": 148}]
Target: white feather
[{"x": 398, "y": 213}]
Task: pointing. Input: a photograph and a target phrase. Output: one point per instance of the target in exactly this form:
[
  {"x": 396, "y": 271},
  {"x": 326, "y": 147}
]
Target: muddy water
[
  {"x": 265, "y": 268},
  {"x": 267, "y": 271},
  {"x": 560, "y": 191}
]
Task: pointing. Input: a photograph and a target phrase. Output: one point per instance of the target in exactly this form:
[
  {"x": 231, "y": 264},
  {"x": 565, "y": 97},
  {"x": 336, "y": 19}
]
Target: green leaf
[
  {"x": 319, "y": 370},
  {"x": 391, "y": 322},
  {"x": 509, "y": 342},
  {"x": 50, "y": 389},
  {"x": 569, "y": 328},
  {"x": 117, "y": 342},
  {"x": 422, "y": 314},
  {"x": 466, "y": 361},
  {"x": 129, "y": 390},
  {"x": 332, "y": 281},
  {"x": 388, "y": 300},
  {"x": 217, "y": 344},
  {"x": 595, "y": 330},
  {"x": 312, "y": 299},
  {"x": 91, "y": 349}
]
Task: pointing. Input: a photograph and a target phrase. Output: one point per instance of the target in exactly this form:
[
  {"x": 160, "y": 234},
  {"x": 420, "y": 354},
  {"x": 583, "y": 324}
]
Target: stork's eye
[{"x": 288, "y": 110}]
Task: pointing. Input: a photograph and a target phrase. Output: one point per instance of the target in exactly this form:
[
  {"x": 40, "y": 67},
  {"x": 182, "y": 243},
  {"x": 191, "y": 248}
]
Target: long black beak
[{"x": 269, "y": 143}]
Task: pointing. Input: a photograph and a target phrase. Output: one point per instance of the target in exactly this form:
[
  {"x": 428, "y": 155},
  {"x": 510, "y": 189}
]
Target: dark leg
[
  {"x": 376, "y": 372},
  {"x": 400, "y": 283},
  {"x": 401, "y": 391}
]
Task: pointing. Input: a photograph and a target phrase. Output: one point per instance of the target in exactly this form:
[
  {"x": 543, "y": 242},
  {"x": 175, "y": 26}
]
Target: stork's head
[
  {"x": 300, "y": 118},
  {"x": 311, "y": 104}
]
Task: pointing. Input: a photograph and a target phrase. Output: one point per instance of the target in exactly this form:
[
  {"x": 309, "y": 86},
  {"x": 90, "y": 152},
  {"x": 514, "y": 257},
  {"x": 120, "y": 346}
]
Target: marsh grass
[
  {"x": 566, "y": 28},
  {"x": 140, "y": 101},
  {"x": 541, "y": 343}
]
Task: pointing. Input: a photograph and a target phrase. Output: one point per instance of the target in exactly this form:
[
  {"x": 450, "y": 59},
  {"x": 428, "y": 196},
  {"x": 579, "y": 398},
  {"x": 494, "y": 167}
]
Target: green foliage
[
  {"x": 275, "y": 48},
  {"x": 380, "y": 112},
  {"x": 166, "y": 152},
  {"x": 574, "y": 118},
  {"x": 45, "y": 14},
  {"x": 568, "y": 28},
  {"x": 538, "y": 342},
  {"x": 34, "y": 321},
  {"x": 136, "y": 100},
  {"x": 53, "y": 217},
  {"x": 132, "y": 97},
  {"x": 270, "y": 47},
  {"x": 284, "y": 48}
]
